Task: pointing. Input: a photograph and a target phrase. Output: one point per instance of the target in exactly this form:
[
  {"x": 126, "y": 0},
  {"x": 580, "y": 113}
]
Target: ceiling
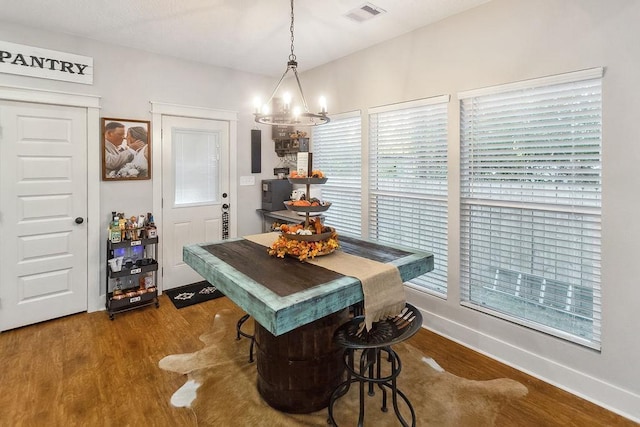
[{"x": 246, "y": 35}]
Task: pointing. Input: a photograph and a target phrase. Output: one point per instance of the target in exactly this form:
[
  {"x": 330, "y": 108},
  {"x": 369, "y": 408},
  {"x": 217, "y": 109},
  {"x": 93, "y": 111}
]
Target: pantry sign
[{"x": 44, "y": 63}]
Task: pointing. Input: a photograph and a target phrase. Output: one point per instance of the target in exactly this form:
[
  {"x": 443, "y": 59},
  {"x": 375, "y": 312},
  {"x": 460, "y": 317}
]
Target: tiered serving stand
[{"x": 307, "y": 210}]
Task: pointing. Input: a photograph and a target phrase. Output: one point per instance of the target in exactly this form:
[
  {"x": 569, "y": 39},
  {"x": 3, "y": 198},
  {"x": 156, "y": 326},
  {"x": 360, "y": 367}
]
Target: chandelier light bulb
[
  {"x": 256, "y": 105},
  {"x": 265, "y": 109},
  {"x": 286, "y": 99},
  {"x": 323, "y": 105}
]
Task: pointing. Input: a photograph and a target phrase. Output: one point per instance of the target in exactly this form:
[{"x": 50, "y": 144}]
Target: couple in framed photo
[{"x": 126, "y": 149}]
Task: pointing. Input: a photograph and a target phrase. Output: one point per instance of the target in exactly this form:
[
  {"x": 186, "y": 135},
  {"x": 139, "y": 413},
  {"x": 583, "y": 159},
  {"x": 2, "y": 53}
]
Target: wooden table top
[{"x": 283, "y": 294}]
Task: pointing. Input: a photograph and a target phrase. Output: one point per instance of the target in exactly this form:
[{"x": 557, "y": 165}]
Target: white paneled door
[
  {"x": 195, "y": 190},
  {"x": 43, "y": 207}
]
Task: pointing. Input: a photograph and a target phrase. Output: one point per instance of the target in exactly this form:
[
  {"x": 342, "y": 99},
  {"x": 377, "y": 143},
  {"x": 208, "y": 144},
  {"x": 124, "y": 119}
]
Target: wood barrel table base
[{"x": 298, "y": 371}]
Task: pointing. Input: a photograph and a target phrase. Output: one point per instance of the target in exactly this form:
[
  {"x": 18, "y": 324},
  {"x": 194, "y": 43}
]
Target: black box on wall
[
  {"x": 274, "y": 193},
  {"x": 256, "y": 150}
]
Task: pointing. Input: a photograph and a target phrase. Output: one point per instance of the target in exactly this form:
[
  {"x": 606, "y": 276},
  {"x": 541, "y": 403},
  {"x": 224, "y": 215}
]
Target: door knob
[{"x": 79, "y": 220}]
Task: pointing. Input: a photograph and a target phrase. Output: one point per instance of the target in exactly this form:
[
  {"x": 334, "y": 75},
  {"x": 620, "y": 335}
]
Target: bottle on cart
[
  {"x": 148, "y": 281},
  {"x": 122, "y": 225},
  {"x": 114, "y": 230},
  {"x": 152, "y": 231},
  {"x": 117, "y": 291}
]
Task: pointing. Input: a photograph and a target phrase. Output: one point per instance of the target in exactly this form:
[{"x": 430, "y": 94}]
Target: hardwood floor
[{"x": 85, "y": 370}]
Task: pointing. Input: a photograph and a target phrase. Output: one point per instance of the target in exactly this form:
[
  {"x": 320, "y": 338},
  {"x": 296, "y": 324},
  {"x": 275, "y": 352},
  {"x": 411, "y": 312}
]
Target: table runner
[{"x": 382, "y": 286}]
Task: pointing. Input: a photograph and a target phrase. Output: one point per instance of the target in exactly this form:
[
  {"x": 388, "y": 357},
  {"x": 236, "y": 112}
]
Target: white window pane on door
[{"x": 196, "y": 165}]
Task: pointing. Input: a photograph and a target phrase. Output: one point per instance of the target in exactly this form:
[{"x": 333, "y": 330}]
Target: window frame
[
  {"x": 468, "y": 201},
  {"x": 341, "y": 188},
  {"x": 417, "y": 202}
]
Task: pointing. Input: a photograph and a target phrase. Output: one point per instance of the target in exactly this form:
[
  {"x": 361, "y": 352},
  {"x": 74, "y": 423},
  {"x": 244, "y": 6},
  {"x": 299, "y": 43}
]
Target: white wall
[
  {"x": 127, "y": 80},
  {"x": 505, "y": 41}
]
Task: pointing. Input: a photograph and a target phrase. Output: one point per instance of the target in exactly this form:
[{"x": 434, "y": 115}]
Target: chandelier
[{"x": 282, "y": 112}]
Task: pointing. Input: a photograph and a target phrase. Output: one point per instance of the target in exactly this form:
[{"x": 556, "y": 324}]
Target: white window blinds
[
  {"x": 337, "y": 151},
  {"x": 530, "y": 203},
  {"x": 408, "y": 181}
]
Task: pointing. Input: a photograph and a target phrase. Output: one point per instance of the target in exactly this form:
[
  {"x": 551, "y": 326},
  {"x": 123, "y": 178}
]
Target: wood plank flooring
[{"x": 85, "y": 370}]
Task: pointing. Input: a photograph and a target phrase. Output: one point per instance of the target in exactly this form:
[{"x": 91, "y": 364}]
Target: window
[
  {"x": 337, "y": 152},
  {"x": 196, "y": 157},
  {"x": 531, "y": 201},
  {"x": 408, "y": 181}
]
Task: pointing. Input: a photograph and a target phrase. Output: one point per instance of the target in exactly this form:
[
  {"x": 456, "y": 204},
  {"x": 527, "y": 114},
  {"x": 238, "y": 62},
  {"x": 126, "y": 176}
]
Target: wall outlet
[{"x": 248, "y": 180}]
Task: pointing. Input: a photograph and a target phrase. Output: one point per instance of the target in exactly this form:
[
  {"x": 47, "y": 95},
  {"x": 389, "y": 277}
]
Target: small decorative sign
[{"x": 44, "y": 63}]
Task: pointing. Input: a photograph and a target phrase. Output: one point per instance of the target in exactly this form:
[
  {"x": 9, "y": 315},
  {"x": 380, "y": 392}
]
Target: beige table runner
[{"x": 381, "y": 283}]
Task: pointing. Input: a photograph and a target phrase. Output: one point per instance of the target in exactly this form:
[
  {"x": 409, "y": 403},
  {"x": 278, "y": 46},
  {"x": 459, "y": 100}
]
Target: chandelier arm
[
  {"x": 304, "y": 101},
  {"x": 278, "y": 85}
]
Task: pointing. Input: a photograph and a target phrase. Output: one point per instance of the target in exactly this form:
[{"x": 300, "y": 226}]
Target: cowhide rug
[{"x": 221, "y": 389}]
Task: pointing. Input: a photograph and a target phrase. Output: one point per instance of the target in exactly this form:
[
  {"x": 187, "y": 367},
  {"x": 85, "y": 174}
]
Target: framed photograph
[{"x": 126, "y": 149}]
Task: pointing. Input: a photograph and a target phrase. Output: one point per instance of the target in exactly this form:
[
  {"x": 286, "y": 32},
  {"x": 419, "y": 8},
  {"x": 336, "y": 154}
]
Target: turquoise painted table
[{"x": 296, "y": 307}]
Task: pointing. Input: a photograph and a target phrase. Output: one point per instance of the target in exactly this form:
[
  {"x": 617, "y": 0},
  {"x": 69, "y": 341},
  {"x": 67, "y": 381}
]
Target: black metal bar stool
[
  {"x": 240, "y": 333},
  {"x": 371, "y": 345}
]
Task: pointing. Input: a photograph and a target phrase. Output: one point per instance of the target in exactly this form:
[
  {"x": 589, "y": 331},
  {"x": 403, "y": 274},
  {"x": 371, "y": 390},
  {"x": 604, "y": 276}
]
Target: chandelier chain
[
  {"x": 292, "y": 56},
  {"x": 288, "y": 116}
]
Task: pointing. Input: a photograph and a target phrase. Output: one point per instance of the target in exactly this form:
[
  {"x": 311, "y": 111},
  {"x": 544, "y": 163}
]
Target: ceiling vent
[{"x": 364, "y": 12}]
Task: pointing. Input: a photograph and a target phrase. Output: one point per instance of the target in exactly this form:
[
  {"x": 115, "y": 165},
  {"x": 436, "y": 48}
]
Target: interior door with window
[
  {"x": 43, "y": 206},
  {"x": 195, "y": 188}
]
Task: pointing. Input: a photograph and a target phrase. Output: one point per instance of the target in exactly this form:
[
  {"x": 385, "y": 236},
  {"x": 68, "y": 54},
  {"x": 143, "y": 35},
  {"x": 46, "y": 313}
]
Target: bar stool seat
[
  {"x": 369, "y": 346},
  {"x": 240, "y": 332}
]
